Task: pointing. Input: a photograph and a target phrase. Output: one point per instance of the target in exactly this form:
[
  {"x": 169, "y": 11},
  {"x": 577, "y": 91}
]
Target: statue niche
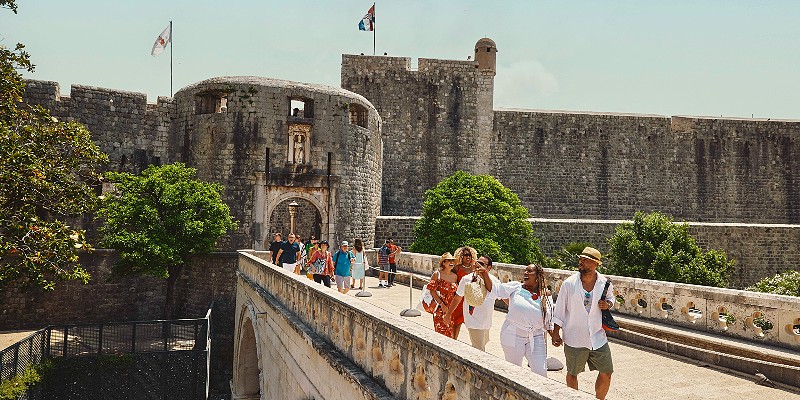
[{"x": 299, "y": 143}]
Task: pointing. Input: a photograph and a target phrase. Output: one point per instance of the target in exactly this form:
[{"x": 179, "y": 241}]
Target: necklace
[{"x": 534, "y": 295}]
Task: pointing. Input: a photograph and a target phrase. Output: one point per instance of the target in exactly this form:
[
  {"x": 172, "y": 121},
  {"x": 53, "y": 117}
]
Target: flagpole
[
  {"x": 374, "y": 28},
  {"x": 171, "y": 50}
]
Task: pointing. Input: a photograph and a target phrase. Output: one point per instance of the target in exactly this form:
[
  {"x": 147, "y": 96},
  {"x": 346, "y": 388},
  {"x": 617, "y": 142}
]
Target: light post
[{"x": 292, "y": 213}]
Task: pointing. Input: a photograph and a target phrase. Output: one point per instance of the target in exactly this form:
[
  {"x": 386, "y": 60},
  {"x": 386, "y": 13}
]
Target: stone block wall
[
  {"x": 434, "y": 121},
  {"x": 133, "y": 133},
  {"x": 760, "y": 250},
  {"x": 609, "y": 166}
]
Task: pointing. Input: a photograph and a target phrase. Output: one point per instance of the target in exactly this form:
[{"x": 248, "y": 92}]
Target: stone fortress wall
[
  {"x": 241, "y": 133},
  {"x": 573, "y": 164}
]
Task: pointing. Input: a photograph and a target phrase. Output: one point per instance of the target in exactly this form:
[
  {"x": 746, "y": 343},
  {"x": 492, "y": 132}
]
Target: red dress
[
  {"x": 446, "y": 290},
  {"x": 458, "y": 313}
]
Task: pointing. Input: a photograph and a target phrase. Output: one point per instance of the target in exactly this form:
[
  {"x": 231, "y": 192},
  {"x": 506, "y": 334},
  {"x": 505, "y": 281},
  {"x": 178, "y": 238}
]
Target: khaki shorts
[
  {"x": 598, "y": 360},
  {"x": 342, "y": 282}
]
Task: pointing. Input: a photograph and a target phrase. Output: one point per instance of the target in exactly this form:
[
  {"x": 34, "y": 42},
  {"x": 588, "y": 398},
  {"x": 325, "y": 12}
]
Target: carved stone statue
[{"x": 299, "y": 148}]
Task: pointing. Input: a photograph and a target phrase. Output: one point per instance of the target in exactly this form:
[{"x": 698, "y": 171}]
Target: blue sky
[{"x": 731, "y": 58}]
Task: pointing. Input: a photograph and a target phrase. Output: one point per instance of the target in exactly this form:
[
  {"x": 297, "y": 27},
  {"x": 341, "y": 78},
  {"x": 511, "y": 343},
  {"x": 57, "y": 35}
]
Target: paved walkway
[
  {"x": 7, "y": 338},
  {"x": 639, "y": 373}
]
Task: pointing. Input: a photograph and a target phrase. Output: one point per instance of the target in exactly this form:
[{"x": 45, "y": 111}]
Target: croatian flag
[{"x": 368, "y": 22}]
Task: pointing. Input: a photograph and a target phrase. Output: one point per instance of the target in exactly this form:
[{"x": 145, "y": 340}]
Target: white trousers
[{"x": 516, "y": 345}]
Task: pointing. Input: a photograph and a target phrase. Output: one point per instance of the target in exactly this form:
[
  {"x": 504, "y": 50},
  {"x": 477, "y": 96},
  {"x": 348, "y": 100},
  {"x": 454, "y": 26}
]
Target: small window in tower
[
  {"x": 210, "y": 102},
  {"x": 358, "y": 115},
  {"x": 301, "y": 107}
]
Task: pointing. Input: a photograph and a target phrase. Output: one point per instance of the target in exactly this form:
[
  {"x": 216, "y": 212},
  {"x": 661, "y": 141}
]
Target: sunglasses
[
  {"x": 587, "y": 298},
  {"x": 481, "y": 263}
]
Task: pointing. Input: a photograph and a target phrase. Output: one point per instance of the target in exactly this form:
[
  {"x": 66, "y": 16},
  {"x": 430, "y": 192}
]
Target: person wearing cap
[
  {"x": 343, "y": 267},
  {"x": 321, "y": 264},
  {"x": 442, "y": 286},
  {"x": 578, "y": 312}
]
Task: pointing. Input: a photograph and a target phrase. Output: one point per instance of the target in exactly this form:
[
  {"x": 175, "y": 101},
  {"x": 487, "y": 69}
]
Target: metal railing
[{"x": 153, "y": 338}]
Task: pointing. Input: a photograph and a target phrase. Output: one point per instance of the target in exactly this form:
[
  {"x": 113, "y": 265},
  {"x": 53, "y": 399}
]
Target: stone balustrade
[
  {"x": 409, "y": 360},
  {"x": 737, "y": 313}
]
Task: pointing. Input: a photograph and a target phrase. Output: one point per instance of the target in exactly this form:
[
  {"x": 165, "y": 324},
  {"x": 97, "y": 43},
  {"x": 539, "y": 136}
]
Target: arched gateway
[{"x": 267, "y": 141}]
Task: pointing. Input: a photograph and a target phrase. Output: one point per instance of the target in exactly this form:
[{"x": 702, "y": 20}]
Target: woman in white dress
[
  {"x": 530, "y": 311},
  {"x": 360, "y": 266}
]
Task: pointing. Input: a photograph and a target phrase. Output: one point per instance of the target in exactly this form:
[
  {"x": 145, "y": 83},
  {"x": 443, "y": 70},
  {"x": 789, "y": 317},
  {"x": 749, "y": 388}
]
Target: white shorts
[
  {"x": 290, "y": 267},
  {"x": 342, "y": 282}
]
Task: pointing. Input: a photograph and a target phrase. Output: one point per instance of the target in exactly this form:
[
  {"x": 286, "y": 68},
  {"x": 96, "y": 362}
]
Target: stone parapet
[
  {"x": 695, "y": 307},
  {"x": 407, "y": 359}
]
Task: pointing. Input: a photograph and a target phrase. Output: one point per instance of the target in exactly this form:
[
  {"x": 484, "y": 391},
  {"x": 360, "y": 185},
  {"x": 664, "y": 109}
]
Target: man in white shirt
[
  {"x": 477, "y": 319},
  {"x": 579, "y": 312}
]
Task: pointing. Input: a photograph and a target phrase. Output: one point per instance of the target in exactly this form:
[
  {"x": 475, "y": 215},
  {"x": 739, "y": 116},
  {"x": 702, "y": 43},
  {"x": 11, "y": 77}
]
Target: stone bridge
[{"x": 298, "y": 340}]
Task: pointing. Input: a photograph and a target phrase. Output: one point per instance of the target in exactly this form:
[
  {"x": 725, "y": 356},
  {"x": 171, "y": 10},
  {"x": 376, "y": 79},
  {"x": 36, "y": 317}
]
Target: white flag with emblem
[{"x": 161, "y": 42}]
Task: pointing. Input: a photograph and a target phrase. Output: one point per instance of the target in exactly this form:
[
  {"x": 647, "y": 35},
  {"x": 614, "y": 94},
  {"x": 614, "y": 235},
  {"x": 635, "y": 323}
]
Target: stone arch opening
[
  {"x": 248, "y": 381},
  {"x": 308, "y": 220}
]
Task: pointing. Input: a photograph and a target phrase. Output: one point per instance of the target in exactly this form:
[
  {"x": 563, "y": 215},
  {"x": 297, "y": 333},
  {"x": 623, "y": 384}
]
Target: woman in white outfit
[{"x": 529, "y": 317}]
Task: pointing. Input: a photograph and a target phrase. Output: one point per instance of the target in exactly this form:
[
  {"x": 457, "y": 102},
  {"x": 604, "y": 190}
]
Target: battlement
[{"x": 353, "y": 62}]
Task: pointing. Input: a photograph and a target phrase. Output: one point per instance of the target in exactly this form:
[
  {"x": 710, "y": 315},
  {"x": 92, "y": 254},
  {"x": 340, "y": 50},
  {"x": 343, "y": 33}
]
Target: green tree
[
  {"x": 157, "y": 220},
  {"x": 47, "y": 168},
  {"x": 786, "y": 283},
  {"x": 653, "y": 247},
  {"x": 567, "y": 256},
  {"x": 475, "y": 210}
]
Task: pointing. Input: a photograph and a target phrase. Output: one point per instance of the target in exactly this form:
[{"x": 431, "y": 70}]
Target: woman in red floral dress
[{"x": 443, "y": 285}]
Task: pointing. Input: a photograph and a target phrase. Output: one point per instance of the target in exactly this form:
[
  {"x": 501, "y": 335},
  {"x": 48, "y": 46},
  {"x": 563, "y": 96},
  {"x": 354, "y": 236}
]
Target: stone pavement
[
  {"x": 639, "y": 373},
  {"x": 7, "y": 338}
]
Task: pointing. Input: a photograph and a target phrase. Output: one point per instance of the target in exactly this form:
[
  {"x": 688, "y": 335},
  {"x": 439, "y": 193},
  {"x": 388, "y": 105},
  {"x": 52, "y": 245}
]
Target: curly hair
[{"x": 460, "y": 252}]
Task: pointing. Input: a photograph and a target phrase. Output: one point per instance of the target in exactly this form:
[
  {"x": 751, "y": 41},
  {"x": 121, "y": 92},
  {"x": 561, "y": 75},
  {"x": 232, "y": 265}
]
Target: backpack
[{"x": 336, "y": 256}]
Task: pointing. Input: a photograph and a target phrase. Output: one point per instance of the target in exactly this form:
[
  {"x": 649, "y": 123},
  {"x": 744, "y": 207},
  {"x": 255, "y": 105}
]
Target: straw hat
[
  {"x": 445, "y": 257},
  {"x": 592, "y": 254}
]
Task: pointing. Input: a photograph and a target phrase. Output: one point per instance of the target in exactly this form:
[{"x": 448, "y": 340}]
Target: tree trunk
[{"x": 169, "y": 303}]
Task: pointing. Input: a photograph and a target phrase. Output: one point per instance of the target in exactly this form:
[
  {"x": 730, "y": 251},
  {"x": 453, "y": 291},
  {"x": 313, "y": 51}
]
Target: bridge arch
[{"x": 247, "y": 376}]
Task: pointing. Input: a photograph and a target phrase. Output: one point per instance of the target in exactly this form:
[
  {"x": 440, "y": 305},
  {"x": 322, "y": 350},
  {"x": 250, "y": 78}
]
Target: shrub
[
  {"x": 653, "y": 247},
  {"x": 566, "y": 257},
  {"x": 475, "y": 210},
  {"x": 787, "y": 284},
  {"x": 14, "y": 388}
]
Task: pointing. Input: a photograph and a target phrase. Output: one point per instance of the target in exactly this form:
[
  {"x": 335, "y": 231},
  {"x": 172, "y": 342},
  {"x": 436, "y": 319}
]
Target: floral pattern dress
[{"x": 446, "y": 290}]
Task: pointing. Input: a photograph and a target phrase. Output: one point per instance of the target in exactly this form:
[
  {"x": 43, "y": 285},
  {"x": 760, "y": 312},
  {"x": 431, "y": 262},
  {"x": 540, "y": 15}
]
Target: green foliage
[
  {"x": 653, "y": 247},
  {"x": 727, "y": 317},
  {"x": 475, "y": 210},
  {"x": 763, "y": 323},
  {"x": 47, "y": 168},
  {"x": 13, "y": 388},
  {"x": 787, "y": 284},
  {"x": 158, "y": 219},
  {"x": 567, "y": 256}
]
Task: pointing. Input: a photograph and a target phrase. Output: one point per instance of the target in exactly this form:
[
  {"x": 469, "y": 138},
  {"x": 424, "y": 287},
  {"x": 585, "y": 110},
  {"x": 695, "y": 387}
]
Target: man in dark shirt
[
  {"x": 289, "y": 254},
  {"x": 274, "y": 247}
]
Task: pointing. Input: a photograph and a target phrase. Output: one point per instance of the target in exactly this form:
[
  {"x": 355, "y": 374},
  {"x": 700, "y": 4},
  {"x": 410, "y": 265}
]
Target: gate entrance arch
[{"x": 269, "y": 197}]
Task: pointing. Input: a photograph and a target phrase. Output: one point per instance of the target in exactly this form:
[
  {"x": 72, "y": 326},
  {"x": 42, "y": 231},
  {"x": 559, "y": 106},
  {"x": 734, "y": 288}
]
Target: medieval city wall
[
  {"x": 431, "y": 119},
  {"x": 760, "y": 250},
  {"x": 132, "y": 132},
  {"x": 609, "y": 166}
]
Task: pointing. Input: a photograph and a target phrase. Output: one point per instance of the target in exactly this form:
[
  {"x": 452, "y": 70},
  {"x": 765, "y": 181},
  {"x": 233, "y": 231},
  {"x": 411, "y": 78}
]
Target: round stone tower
[
  {"x": 486, "y": 55},
  {"x": 291, "y": 156}
]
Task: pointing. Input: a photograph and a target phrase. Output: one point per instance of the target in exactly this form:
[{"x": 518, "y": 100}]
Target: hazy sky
[{"x": 732, "y": 58}]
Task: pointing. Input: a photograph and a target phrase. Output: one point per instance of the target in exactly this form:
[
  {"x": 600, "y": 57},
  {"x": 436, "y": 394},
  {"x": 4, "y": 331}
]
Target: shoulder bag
[{"x": 608, "y": 320}]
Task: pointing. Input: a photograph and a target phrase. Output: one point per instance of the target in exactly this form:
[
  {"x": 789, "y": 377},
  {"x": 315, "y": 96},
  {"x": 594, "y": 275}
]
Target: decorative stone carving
[{"x": 299, "y": 135}]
